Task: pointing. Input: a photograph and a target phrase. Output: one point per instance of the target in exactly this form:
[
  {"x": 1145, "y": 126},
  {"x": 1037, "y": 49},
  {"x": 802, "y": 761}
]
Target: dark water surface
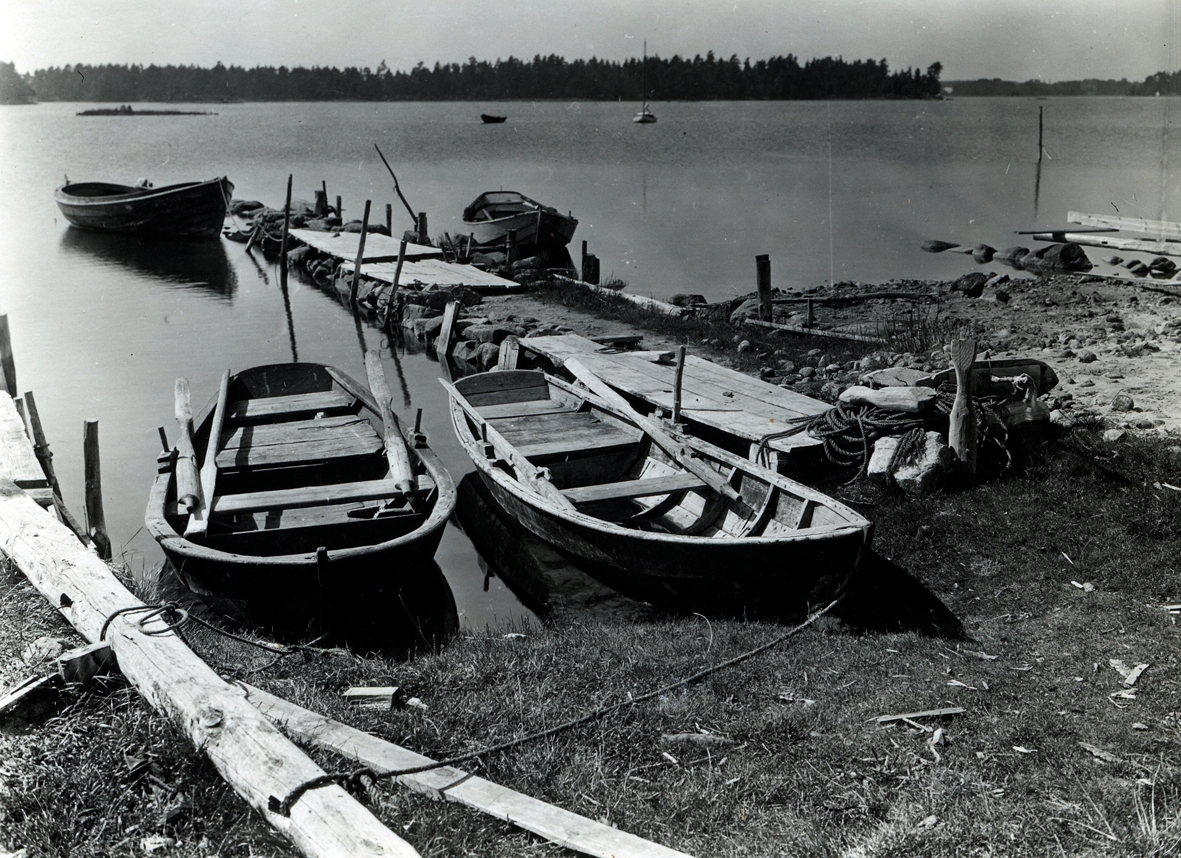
[{"x": 102, "y": 325}]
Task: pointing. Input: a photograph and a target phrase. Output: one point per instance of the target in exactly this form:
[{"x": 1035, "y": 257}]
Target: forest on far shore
[{"x": 553, "y": 77}]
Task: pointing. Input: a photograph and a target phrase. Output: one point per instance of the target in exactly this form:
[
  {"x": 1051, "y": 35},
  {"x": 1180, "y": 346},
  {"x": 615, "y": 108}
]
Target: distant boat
[
  {"x": 190, "y": 209},
  {"x": 490, "y": 217},
  {"x": 645, "y": 116},
  {"x": 489, "y": 119}
]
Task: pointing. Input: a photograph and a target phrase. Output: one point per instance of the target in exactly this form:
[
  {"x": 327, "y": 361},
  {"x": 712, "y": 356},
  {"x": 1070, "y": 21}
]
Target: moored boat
[
  {"x": 312, "y": 505},
  {"x": 490, "y": 119},
  {"x": 649, "y": 511},
  {"x": 189, "y": 209},
  {"x": 493, "y": 214}
]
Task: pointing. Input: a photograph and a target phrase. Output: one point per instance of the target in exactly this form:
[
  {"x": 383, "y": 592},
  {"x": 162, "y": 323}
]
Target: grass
[{"x": 1009, "y": 599}]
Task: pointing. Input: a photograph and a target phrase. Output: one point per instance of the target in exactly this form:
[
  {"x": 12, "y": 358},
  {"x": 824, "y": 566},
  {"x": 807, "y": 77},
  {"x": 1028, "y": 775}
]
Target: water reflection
[
  {"x": 189, "y": 263},
  {"x": 544, "y": 580}
]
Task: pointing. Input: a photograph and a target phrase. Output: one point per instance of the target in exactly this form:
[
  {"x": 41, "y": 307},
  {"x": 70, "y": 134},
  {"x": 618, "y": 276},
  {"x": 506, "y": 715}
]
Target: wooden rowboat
[
  {"x": 190, "y": 209},
  {"x": 493, "y": 214},
  {"x": 490, "y": 119},
  {"x": 651, "y": 512},
  {"x": 312, "y": 503}
]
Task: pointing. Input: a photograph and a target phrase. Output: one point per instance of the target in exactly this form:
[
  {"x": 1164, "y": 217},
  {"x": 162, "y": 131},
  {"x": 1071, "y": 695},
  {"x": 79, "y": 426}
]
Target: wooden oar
[
  {"x": 961, "y": 430},
  {"x": 659, "y": 435},
  {"x": 188, "y": 480},
  {"x": 396, "y": 452},
  {"x": 199, "y": 524},
  {"x": 528, "y": 474}
]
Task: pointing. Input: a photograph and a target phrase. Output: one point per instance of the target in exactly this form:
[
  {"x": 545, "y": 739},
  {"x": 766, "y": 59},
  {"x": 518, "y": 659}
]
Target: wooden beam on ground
[
  {"x": 251, "y": 754},
  {"x": 1160, "y": 248},
  {"x": 1154, "y": 228},
  {"x": 927, "y": 713},
  {"x": 559, "y": 826},
  {"x": 816, "y": 332}
]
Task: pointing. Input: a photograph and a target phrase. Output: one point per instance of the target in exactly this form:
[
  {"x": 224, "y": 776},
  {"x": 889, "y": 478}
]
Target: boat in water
[
  {"x": 489, "y": 119},
  {"x": 311, "y": 505},
  {"x": 493, "y": 214},
  {"x": 645, "y": 116},
  {"x": 188, "y": 209},
  {"x": 653, "y": 513}
]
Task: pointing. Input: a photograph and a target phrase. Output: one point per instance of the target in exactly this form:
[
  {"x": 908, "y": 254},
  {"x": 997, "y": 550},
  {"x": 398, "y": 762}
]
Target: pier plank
[
  {"x": 427, "y": 274},
  {"x": 17, "y": 460},
  {"x": 712, "y": 395},
  {"x": 567, "y": 829},
  {"x": 378, "y": 247},
  {"x": 257, "y": 761}
]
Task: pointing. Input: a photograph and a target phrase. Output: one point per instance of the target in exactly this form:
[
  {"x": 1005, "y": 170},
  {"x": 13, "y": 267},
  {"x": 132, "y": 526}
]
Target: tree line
[
  {"x": 1162, "y": 83},
  {"x": 551, "y": 77}
]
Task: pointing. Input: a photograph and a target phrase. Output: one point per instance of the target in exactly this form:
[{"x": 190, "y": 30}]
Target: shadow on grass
[{"x": 883, "y": 597}]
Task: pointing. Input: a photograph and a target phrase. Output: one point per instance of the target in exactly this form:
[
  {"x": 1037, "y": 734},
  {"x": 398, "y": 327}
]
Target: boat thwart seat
[{"x": 631, "y": 489}]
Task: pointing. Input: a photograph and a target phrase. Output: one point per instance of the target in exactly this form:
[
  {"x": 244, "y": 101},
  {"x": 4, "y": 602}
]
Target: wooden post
[
  {"x": 253, "y": 237},
  {"x": 677, "y": 384},
  {"x": 443, "y": 341},
  {"x": 810, "y": 319},
  {"x": 423, "y": 236},
  {"x": 45, "y": 457},
  {"x": 590, "y": 272},
  {"x": 582, "y": 267},
  {"x": 961, "y": 430},
  {"x": 7, "y": 362},
  {"x": 324, "y": 190},
  {"x": 257, "y": 761},
  {"x": 398, "y": 268},
  {"x": 360, "y": 254},
  {"x": 510, "y": 246},
  {"x": 286, "y": 223},
  {"x": 321, "y": 207},
  {"x": 763, "y": 275},
  {"x": 389, "y": 219},
  {"x": 96, "y": 523},
  {"x": 339, "y": 209},
  {"x": 510, "y": 353},
  {"x": 1039, "y": 133},
  {"x": 471, "y": 238}
]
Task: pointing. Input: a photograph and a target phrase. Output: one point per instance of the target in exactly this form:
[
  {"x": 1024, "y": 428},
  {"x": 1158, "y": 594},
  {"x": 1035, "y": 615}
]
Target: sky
[{"x": 1011, "y": 39}]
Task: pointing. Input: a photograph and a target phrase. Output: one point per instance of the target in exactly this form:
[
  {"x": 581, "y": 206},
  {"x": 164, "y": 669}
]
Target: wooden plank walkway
[
  {"x": 428, "y": 274},
  {"x": 712, "y": 395},
  {"x": 559, "y": 826},
  {"x": 378, "y": 247},
  {"x": 17, "y": 460}
]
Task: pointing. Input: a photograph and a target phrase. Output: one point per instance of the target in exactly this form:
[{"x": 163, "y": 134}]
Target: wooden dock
[
  {"x": 378, "y": 247},
  {"x": 18, "y": 462},
  {"x": 713, "y": 396},
  {"x": 428, "y": 274}
]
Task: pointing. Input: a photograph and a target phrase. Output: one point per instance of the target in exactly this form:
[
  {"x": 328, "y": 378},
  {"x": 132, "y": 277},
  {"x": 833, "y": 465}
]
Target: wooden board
[
  {"x": 253, "y": 757},
  {"x": 298, "y": 406},
  {"x": 17, "y": 461},
  {"x": 298, "y": 441},
  {"x": 712, "y": 395},
  {"x": 361, "y": 490},
  {"x": 378, "y": 247},
  {"x": 626, "y": 489},
  {"x": 1160, "y": 248},
  {"x": 430, "y": 274},
  {"x": 560, "y": 826},
  {"x": 1154, "y": 228}
]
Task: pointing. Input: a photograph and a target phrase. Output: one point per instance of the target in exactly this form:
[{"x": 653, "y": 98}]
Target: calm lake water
[{"x": 848, "y": 190}]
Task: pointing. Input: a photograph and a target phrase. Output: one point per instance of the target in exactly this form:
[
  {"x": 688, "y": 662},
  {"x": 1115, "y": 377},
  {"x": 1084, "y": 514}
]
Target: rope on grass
[
  {"x": 175, "y": 616},
  {"x": 352, "y": 778}
]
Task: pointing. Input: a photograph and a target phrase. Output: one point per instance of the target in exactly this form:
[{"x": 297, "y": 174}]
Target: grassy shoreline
[{"x": 1009, "y": 599}]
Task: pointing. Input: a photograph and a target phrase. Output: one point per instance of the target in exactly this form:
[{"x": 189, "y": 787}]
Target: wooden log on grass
[{"x": 257, "y": 761}]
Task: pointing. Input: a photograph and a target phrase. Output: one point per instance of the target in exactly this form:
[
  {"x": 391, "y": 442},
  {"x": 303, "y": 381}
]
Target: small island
[{"x": 125, "y": 110}]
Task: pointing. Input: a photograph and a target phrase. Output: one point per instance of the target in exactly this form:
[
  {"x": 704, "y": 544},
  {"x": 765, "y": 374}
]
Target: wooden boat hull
[
  {"x": 489, "y": 119},
  {"x": 190, "y": 209},
  {"x": 753, "y": 561},
  {"x": 491, "y": 217},
  {"x": 258, "y": 564}
]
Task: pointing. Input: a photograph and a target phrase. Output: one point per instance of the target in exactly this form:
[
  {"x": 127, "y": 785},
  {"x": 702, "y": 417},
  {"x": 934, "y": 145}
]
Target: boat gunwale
[
  {"x": 133, "y": 194},
  {"x": 169, "y": 540}
]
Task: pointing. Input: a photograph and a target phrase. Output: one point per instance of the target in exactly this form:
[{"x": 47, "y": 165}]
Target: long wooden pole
[
  {"x": 659, "y": 435},
  {"x": 95, "y": 520},
  {"x": 396, "y": 453},
  {"x": 360, "y": 254},
  {"x": 286, "y": 223},
  {"x": 45, "y": 457},
  {"x": 188, "y": 480},
  {"x": 257, "y": 761},
  {"x": 198, "y": 524},
  {"x": 677, "y": 382},
  {"x": 763, "y": 284},
  {"x": 397, "y": 189}
]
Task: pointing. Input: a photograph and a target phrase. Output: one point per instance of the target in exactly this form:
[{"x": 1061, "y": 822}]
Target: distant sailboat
[{"x": 645, "y": 115}]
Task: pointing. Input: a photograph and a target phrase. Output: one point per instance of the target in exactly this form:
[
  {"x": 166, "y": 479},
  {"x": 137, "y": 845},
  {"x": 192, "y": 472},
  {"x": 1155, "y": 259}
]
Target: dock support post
[
  {"x": 286, "y": 224},
  {"x": 443, "y": 341},
  {"x": 398, "y": 269},
  {"x": 763, "y": 274},
  {"x": 677, "y": 384},
  {"x": 423, "y": 236},
  {"x": 96, "y": 523},
  {"x": 360, "y": 255},
  {"x": 339, "y": 209},
  {"x": 582, "y": 267},
  {"x": 510, "y": 246},
  {"x": 389, "y": 218},
  {"x": 7, "y": 362}
]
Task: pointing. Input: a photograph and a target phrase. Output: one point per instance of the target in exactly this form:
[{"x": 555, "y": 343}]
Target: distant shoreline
[{"x": 127, "y": 111}]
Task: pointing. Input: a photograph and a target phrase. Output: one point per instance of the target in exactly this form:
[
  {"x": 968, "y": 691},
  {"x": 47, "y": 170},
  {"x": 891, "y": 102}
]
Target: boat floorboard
[
  {"x": 309, "y": 496},
  {"x": 293, "y": 407}
]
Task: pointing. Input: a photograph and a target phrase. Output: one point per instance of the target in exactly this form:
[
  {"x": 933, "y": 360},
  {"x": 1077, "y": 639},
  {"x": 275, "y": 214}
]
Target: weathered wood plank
[
  {"x": 429, "y": 274},
  {"x": 1154, "y": 228},
  {"x": 254, "y": 758},
  {"x": 559, "y": 826},
  {"x": 297, "y": 406},
  {"x": 299, "y": 453},
  {"x": 627, "y": 489},
  {"x": 378, "y": 247},
  {"x": 297, "y": 432},
  {"x": 18, "y": 463},
  {"x": 523, "y": 409},
  {"x": 359, "y": 491}
]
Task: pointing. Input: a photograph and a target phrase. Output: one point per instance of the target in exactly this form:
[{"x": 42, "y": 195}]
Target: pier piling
[{"x": 763, "y": 275}]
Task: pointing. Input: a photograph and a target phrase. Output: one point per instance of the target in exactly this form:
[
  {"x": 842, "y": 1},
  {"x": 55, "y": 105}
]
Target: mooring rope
[
  {"x": 176, "y": 617},
  {"x": 353, "y": 778}
]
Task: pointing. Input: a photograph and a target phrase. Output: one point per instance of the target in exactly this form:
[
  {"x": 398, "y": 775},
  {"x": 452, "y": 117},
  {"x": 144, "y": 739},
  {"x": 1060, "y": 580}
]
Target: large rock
[
  {"x": 1058, "y": 257},
  {"x": 1012, "y": 255},
  {"x": 906, "y": 400},
  {"x": 971, "y": 285},
  {"x": 878, "y": 468},
  {"x": 748, "y": 309},
  {"x": 922, "y": 473},
  {"x": 684, "y": 299},
  {"x": 489, "y": 334}
]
